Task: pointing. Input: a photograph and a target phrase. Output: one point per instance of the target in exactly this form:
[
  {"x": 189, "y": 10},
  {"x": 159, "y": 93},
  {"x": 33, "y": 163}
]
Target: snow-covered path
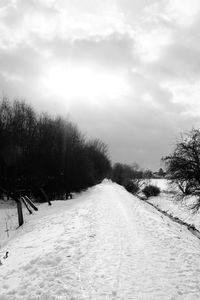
[{"x": 106, "y": 244}]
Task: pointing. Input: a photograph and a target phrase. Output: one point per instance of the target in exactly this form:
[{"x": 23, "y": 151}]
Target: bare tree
[{"x": 183, "y": 165}]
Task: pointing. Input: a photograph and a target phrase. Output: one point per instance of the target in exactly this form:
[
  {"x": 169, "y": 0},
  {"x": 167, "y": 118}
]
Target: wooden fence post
[
  {"x": 45, "y": 196},
  {"x": 28, "y": 200},
  {"x": 19, "y": 205},
  {"x": 20, "y": 213},
  {"x": 24, "y": 201}
]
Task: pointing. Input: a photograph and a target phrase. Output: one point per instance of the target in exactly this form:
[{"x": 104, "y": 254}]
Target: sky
[{"x": 126, "y": 71}]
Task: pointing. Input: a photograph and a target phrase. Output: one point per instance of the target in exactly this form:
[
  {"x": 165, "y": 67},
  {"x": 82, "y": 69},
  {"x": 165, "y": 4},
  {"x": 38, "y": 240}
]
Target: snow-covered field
[
  {"x": 170, "y": 203},
  {"x": 105, "y": 244}
]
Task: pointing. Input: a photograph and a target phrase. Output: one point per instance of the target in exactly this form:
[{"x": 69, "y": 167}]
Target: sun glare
[{"x": 83, "y": 82}]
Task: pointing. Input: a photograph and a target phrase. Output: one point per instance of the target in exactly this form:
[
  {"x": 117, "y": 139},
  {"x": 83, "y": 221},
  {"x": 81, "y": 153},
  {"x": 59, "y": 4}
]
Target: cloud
[
  {"x": 180, "y": 59},
  {"x": 151, "y": 47},
  {"x": 26, "y": 20},
  {"x": 182, "y": 12},
  {"x": 113, "y": 51},
  {"x": 135, "y": 132}
]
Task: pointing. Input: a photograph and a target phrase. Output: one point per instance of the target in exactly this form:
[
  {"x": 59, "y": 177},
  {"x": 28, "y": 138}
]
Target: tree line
[
  {"x": 38, "y": 150},
  {"x": 130, "y": 176}
]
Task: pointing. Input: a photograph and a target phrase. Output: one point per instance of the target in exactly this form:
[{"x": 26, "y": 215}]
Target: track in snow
[{"x": 110, "y": 246}]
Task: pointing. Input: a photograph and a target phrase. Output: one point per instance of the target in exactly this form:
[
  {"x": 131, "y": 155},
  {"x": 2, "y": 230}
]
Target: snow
[
  {"x": 164, "y": 184},
  {"x": 169, "y": 202},
  {"x": 181, "y": 209},
  {"x": 9, "y": 220},
  {"x": 104, "y": 244}
]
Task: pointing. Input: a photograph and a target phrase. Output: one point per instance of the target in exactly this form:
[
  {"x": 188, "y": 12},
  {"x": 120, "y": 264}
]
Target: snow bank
[
  {"x": 169, "y": 203},
  {"x": 180, "y": 209}
]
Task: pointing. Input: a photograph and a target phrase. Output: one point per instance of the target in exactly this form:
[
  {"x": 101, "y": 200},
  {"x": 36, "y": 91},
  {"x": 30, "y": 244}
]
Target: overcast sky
[{"x": 126, "y": 71}]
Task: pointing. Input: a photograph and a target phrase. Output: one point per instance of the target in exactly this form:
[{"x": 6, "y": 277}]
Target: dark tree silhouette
[
  {"x": 183, "y": 165},
  {"x": 128, "y": 176},
  {"x": 39, "y": 152}
]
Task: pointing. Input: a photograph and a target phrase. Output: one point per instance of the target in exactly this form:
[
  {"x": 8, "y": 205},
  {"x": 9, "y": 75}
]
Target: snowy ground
[
  {"x": 168, "y": 202},
  {"x": 9, "y": 220},
  {"x": 105, "y": 244}
]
